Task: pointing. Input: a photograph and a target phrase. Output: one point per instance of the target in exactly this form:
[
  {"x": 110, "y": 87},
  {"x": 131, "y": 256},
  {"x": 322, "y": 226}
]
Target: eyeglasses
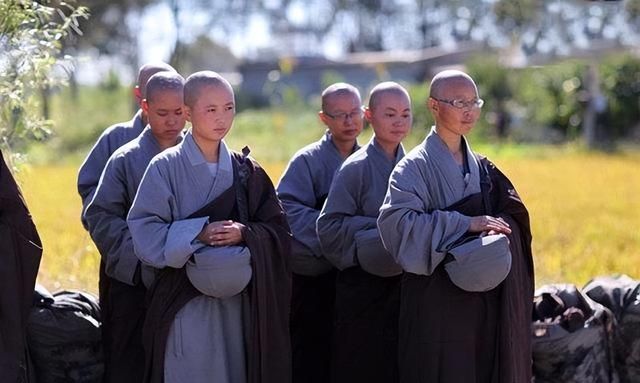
[
  {"x": 462, "y": 104},
  {"x": 343, "y": 116}
]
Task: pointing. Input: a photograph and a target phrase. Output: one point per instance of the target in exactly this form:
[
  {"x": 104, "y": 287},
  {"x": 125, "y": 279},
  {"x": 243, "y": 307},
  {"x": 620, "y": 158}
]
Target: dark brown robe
[
  {"x": 451, "y": 335},
  {"x": 254, "y": 203},
  {"x": 20, "y": 253}
]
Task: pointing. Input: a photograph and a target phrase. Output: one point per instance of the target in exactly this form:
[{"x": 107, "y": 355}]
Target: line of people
[{"x": 362, "y": 265}]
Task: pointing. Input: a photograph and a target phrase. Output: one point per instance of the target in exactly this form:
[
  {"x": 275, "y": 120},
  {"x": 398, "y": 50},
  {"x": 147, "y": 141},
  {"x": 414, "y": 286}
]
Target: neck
[
  {"x": 210, "y": 149},
  {"x": 453, "y": 141},
  {"x": 345, "y": 148},
  {"x": 166, "y": 144},
  {"x": 389, "y": 148}
]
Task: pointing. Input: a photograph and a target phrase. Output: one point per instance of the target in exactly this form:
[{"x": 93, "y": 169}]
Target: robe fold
[
  {"x": 302, "y": 190},
  {"x": 21, "y": 253},
  {"x": 122, "y": 292},
  {"x": 365, "y": 330},
  {"x": 208, "y": 339},
  {"x": 447, "y": 334},
  {"x": 109, "y": 141}
]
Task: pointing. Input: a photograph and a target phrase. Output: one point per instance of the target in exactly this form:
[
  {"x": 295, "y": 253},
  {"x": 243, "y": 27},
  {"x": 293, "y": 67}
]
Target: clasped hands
[
  {"x": 222, "y": 233},
  {"x": 488, "y": 225}
]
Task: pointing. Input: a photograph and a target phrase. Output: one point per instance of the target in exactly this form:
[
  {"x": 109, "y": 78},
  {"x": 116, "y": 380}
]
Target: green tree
[{"x": 31, "y": 37}]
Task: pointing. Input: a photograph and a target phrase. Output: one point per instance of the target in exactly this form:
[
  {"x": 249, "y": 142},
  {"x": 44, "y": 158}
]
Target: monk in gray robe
[
  {"x": 439, "y": 193},
  {"x": 302, "y": 190},
  {"x": 365, "y": 337},
  {"x": 114, "y": 137},
  {"x": 123, "y": 291},
  {"x": 210, "y": 222}
]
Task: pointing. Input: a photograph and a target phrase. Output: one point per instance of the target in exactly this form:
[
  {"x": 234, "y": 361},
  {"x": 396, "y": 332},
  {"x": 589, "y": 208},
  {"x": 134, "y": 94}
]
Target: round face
[
  {"x": 212, "y": 115},
  {"x": 165, "y": 115},
  {"x": 390, "y": 118},
  {"x": 451, "y": 120},
  {"x": 343, "y": 116}
]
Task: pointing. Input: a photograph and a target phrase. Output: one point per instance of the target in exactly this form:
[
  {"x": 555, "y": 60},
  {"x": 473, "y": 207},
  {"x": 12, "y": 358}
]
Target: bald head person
[
  {"x": 115, "y": 136},
  {"x": 445, "y": 203}
]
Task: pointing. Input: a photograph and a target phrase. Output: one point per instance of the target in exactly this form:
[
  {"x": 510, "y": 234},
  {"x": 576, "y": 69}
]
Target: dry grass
[{"x": 584, "y": 207}]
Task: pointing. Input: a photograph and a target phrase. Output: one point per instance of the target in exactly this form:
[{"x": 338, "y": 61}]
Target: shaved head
[
  {"x": 148, "y": 70},
  {"x": 387, "y": 87},
  {"x": 199, "y": 80},
  {"x": 448, "y": 78},
  {"x": 163, "y": 81},
  {"x": 340, "y": 88}
]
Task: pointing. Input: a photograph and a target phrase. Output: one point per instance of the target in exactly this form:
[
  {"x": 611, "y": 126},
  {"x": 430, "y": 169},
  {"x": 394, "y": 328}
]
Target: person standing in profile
[
  {"x": 461, "y": 233},
  {"x": 115, "y": 136},
  {"x": 126, "y": 280},
  {"x": 302, "y": 191},
  {"x": 365, "y": 338}
]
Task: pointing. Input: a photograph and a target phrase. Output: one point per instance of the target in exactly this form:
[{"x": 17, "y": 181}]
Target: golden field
[{"x": 584, "y": 207}]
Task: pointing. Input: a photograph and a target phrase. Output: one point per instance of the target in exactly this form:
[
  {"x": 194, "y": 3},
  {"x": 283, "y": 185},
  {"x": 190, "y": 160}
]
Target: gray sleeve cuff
[
  {"x": 180, "y": 240},
  {"x": 372, "y": 255}
]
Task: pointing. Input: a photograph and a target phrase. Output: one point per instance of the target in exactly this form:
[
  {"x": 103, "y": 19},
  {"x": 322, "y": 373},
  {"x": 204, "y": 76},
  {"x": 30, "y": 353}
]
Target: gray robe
[
  {"x": 412, "y": 224},
  {"x": 206, "y": 341},
  {"x": 111, "y": 139},
  {"x": 368, "y": 285},
  {"x": 106, "y": 214},
  {"x": 346, "y": 226},
  {"x": 302, "y": 190}
]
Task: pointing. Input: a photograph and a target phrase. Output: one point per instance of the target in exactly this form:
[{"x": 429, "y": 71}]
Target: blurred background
[{"x": 560, "y": 80}]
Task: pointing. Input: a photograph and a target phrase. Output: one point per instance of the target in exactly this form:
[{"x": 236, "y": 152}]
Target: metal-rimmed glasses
[
  {"x": 462, "y": 104},
  {"x": 343, "y": 116}
]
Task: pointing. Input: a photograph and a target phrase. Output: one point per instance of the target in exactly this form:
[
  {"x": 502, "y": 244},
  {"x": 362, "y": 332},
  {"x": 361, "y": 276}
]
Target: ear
[
  {"x": 187, "y": 112},
  {"x": 368, "y": 114},
  {"x": 145, "y": 106},
  {"x": 137, "y": 93},
  {"x": 433, "y": 105},
  {"x": 323, "y": 117}
]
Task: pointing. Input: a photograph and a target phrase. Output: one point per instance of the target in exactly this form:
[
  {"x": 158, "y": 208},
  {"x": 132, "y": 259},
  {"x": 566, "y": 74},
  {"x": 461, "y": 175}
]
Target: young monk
[
  {"x": 302, "y": 190},
  {"x": 209, "y": 220},
  {"x": 368, "y": 281},
  {"x": 123, "y": 291},
  {"x": 115, "y": 136},
  {"x": 461, "y": 233}
]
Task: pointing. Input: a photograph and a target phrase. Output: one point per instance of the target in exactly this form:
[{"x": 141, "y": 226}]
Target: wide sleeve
[
  {"x": 411, "y": 230},
  {"x": 91, "y": 169},
  {"x": 106, "y": 221},
  {"x": 159, "y": 239},
  {"x": 296, "y": 192},
  {"x": 339, "y": 223}
]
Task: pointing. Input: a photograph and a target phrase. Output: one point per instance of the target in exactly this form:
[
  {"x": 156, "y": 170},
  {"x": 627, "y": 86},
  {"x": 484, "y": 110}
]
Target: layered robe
[
  {"x": 20, "y": 259},
  {"x": 367, "y": 305},
  {"x": 211, "y": 339},
  {"x": 303, "y": 188},
  {"x": 111, "y": 139},
  {"x": 447, "y": 334},
  {"x": 122, "y": 290}
]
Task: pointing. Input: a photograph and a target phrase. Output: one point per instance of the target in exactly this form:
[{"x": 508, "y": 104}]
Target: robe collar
[
  {"x": 148, "y": 139},
  {"x": 443, "y": 159},
  {"x": 224, "y": 177},
  {"x": 136, "y": 121},
  {"x": 327, "y": 143}
]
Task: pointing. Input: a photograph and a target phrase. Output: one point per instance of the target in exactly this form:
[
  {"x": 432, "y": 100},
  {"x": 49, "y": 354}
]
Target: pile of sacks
[{"x": 588, "y": 335}]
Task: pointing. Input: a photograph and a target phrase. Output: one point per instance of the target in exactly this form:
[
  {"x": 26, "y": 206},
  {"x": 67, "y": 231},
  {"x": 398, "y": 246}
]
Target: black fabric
[
  {"x": 312, "y": 315},
  {"x": 64, "y": 337},
  {"x": 450, "y": 335},
  {"x": 20, "y": 254},
  {"x": 365, "y": 337},
  {"x": 268, "y": 238},
  {"x": 123, "y": 312}
]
